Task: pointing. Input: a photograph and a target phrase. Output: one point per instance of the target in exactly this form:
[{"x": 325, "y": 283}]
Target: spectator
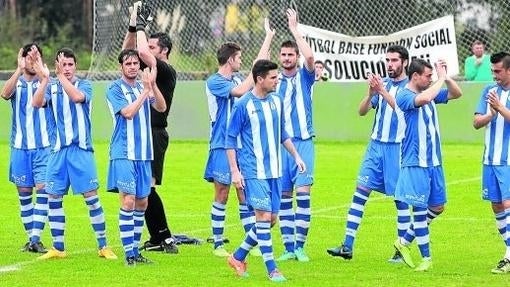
[{"x": 478, "y": 66}]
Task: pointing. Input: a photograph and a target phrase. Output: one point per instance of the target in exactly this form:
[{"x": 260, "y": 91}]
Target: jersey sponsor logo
[
  {"x": 363, "y": 178},
  {"x": 18, "y": 179},
  {"x": 261, "y": 202},
  {"x": 126, "y": 185},
  {"x": 416, "y": 198}
]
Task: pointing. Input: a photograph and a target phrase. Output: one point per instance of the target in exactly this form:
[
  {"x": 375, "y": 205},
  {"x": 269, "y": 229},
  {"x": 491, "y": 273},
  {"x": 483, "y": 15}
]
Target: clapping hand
[
  {"x": 21, "y": 60},
  {"x": 440, "y": 66},
  {"x": 35, "y": 60},
  {"x": 493, "y": 101}
]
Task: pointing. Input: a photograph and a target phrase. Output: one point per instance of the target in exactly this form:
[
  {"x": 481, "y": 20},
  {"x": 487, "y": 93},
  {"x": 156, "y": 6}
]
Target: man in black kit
[{"x": 154, "y": 52}]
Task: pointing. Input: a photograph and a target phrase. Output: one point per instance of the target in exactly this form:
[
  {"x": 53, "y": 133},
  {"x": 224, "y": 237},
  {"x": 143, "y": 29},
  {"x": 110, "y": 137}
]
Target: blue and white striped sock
[
  {"x": 421, "y": 229},
  {"x": 247, "y": 217},
  {"x": 287, "y": 222},
  {"x": 501, "y": 223},
  {"x": 263, "y": 229},
  {"x": 410, "y": 234},
  {"x": 138, "y": 229},
  {"x": 56, "y": 221},
  {"x": 126, "y": 227},
  {"x": 40, "y": 215},
  {"x": 403, "y": 217},
  {"x": 431, "y": 215},
  {"x": 218, "y": 222},
  {"x": 97, "y": 220},
  {"x": 250, "y": 241},
  {"x": 26, "y": 211},
  {"x": 302, "y": 219},
  {"x": 354, "y": 216}
]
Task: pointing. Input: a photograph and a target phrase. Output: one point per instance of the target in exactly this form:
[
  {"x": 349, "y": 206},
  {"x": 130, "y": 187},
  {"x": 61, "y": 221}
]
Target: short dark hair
[
  {"x": 126, "y": 53},
  {"x": 319, "y": 62},
  {"x": 68, "y": 53},
  {"x": 164, "y": 41},
  {"x": 290, "y": 44},
  {"x": 261, "y": 68},
  {"x": 28, "y": 47},
  {"x": 501, "y": 57},
  {"x": 402, "y": 51},
  {"x": 418, "y": 66},
  {"x": 226, "y": 51}
]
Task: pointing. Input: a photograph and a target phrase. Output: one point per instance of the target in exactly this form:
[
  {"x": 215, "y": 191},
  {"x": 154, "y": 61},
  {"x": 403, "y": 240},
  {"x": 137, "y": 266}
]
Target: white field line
[{"x": 316, "y": 212}]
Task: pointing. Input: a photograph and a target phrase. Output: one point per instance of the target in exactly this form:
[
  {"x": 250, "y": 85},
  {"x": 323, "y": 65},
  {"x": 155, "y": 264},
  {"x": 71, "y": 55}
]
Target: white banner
[{"x": 349, "y": 58}]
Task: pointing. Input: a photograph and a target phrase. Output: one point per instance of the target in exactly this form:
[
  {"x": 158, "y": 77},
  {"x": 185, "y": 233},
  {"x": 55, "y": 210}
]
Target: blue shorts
[
  {"x": 217, "y": 167},
  {"x": 421, "y": 186},
  {"x": 130, "y": 176},
  {"x": 380, "y": 167},
  {"x": 496, "y": 183},
  {"x": 71, "y": 167},
  {"x": 291, "y": 177},
  {"x": 263, "y": 194},
  {"x": 28, "y": 167}
]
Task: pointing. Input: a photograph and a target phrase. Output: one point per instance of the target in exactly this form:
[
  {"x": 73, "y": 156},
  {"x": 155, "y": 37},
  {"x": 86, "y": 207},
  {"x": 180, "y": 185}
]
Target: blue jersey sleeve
[
  {"x": 116, "y": 98},
  {"x": 219, "y": 86},
  {"x": 236, "y": 122},
  {"x": 86, "y": 88},
  {"x": 442, "y": 97},
  {"x": 405, "y": 99}
]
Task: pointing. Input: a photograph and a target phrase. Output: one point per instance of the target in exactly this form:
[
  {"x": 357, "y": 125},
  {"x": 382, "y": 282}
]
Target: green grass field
[{"x": 465, "y": 243}]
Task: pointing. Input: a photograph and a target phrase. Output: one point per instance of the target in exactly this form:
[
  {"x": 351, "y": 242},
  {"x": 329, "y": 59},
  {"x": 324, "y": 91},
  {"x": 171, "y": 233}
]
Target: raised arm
[
  {"x": 130, "y": 38},
  {"x": 142, "y": 45},
  {"x": 454, "y": 91},
  {"x": 431, "y": 92},
  {"x": 10, "y": 84},
  {"x": 303, "y": 46},
  {"x": 264, "y": 53}
]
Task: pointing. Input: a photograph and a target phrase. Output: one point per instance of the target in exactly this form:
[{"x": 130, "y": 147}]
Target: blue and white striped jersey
[
  {"x": 131, "y": 138},
  {"x": 421, "y": 145},
  {"x": 220, "y": 103},
  {"x": 497, "y": 132},
  {"x": 389, "y": 125},
  {"x": 296, "y": 95},
  {"x": 72, "y": 120},
  {"x": 260, "y": 126},
  {"x": 30, "y": 129}
]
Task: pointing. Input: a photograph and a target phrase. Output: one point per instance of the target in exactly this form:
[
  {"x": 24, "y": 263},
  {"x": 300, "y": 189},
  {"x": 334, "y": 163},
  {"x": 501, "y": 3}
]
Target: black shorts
[{"x": 160, "y": 144}]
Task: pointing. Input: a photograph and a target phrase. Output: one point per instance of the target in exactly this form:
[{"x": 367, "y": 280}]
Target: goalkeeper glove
[
  {"x": 132, "y": 16},
  {"x": 143, "y": 17}
]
